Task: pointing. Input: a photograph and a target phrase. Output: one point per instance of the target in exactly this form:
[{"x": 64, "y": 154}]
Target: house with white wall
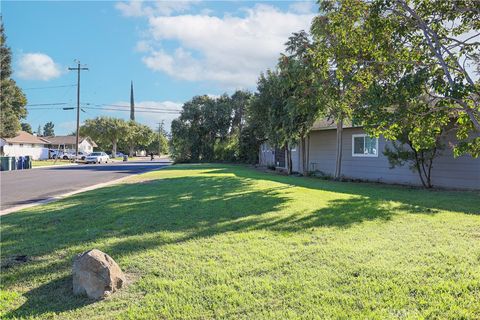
[
  {"x": 24, "y": 144},
  {"x": 67, "y": 143}
]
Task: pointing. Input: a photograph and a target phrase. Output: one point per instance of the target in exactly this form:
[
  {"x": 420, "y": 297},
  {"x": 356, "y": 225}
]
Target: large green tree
[
  {"x": 106, "y": 131},
  {"x": 342, "y": 43},
  {"x": 12, "y": 99},
  {"x": 137, "y": 136},
  {"x": 443, "y": 37},
  {"x": 210, "y": 129}
]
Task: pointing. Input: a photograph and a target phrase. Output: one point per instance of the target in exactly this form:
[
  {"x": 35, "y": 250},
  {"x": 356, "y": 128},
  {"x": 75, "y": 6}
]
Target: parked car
[
  {"x": 82, "y": 155},
  {"x": 97, "y": 157},
  {"x": 53, "y": 154}
]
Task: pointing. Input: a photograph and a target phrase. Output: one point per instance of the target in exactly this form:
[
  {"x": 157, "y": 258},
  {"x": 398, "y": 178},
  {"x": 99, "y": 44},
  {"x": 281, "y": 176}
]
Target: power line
[
  {"x": 136, "y": 110},
  {"x": 49, "y": 87},
  {"x": 46, "y": 104},
  {"x": 124, "y": 106},
  {"x": 44, "y": 107}
]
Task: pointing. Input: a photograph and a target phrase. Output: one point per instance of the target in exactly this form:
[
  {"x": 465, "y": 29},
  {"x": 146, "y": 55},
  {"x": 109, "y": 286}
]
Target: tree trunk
[
  {"x": 131, "y": 150},
  {"x": 338, "y": 161},
  {"x": 303, "y": 155},
  {"x": 114, "y": 149},
  {"x": 289, "y": 160}
]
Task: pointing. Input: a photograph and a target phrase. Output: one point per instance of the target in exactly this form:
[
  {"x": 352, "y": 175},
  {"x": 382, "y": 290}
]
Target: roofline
[{"x": 334, "y": 128}]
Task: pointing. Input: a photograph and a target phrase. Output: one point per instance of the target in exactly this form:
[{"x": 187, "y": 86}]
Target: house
[
  {"x": 25, "y": 144},
  {"x": 67, "y": 143},
  {"x": 363, "y": 158}
]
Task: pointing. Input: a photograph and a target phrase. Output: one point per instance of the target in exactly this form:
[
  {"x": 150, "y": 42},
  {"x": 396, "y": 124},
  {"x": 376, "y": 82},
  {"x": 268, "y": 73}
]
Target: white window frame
[{"x": 363, "y": 135}]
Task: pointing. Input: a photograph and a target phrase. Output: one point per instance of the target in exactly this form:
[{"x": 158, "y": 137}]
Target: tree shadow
[
  {"x": 418, "y": 198},
  {"x": 54, "y": 296}
]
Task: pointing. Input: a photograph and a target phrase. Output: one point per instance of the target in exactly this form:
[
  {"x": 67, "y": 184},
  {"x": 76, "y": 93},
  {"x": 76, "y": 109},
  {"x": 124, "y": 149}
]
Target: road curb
[
  {"x": 56, "y": 166},
  {"x": 71, "y": 193}
]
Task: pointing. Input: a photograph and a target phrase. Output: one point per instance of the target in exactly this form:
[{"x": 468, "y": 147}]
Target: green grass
[
  {"x": 228, "y": 242},
  {"x": 43, "y": 163}
]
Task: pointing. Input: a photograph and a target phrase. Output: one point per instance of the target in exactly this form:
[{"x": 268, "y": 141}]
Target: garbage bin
[
  {"x": 5, "y": 164},
  {"x": 20, "y": 162},
  {"x": 13, "y": 163},
  {"x": 27, "y": 162},
  {"x": 125, "y": 158}
]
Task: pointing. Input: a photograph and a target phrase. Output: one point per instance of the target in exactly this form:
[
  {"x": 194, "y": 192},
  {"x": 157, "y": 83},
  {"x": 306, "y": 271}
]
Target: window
[
  {"x": 364, "y": 146},
  {"x": 21, "y": 145}
]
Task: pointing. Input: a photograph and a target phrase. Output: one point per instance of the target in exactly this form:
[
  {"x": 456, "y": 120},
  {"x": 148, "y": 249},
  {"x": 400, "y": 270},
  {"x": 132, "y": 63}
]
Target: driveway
[{"x": 28, "y": 186}]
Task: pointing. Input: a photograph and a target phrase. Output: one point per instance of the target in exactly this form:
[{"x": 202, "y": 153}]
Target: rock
[{"x": 96, "y": 274}]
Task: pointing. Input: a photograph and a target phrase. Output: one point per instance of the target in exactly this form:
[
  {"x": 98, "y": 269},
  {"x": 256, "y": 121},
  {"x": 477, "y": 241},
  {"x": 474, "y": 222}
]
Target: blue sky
[{"x": 172, "y": 50}]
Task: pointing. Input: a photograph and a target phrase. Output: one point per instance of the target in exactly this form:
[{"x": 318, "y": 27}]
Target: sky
[{"x": 171, "y": 50}]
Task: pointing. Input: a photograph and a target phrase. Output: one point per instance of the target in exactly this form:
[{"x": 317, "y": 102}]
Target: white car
[{"x": 97, "y": 157}]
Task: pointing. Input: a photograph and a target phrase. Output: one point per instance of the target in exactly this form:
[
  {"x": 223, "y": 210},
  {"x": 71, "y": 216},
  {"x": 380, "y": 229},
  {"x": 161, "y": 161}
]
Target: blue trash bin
[
  {"x": 20, "y": 162},
  {"x": 27, "y": 163}
]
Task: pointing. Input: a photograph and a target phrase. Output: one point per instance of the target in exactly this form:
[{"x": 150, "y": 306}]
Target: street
[{"x": 27, "y": 186}]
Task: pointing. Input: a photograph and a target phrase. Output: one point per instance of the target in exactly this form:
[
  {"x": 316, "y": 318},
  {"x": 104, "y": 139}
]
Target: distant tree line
[{"x": 398, "y": 68}]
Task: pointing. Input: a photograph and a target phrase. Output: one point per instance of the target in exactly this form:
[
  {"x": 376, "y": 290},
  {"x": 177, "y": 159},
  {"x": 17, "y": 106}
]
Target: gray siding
[{"x": 462, "y": 172}]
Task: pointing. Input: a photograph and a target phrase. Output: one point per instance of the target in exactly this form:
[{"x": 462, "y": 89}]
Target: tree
[
  {"x": 48, "y": 129},
  {"x": 443, "y": 37},
  {"x": 39, "y": 131},
  {"x": 204, "y": 130},
  {"x": 12, "y": 99},
  {"x": 268, "y": 112},
  {"x": 159, "y": 144},
  {"x": 137, "y": 135},
  {"x": 105, "y": 131},
  {"x": 400, "y": 111},
  {"x": 298, "y": 78},
  {"x": 26, "y": 127},
  {"x": 340, "y": 46}
]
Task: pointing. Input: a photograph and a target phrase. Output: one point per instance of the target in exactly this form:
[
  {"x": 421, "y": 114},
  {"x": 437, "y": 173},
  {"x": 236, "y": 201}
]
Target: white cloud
[
  {"x": 143, "y": 46},
  {"x": 138, "y": 8},
  {"x": 38, "y": 66},
  {"x": 302, "y": 7},
  {"x": 230, "y": 50}
]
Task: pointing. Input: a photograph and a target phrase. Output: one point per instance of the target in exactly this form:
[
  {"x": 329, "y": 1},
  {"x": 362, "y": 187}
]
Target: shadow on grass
[
  {"x": 417, "y": 198},
  {"x": 185, "y": 208},
  {"x": 54, "y": 296}
]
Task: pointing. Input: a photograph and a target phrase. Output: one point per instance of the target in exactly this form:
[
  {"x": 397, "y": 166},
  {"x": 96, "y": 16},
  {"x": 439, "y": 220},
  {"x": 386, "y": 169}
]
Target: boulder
[{"x": 96, "y": 274}]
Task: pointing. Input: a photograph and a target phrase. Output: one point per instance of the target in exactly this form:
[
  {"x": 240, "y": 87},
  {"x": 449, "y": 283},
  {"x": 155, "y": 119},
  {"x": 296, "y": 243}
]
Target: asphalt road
[{"x": 27, "y": 186}]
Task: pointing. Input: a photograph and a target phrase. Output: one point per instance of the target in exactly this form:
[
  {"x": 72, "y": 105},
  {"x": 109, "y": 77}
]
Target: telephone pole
[
  {"x": 132, "y": 103},
  {"x": 78, "y": 68},
  {"x": 160, "y": 132}
]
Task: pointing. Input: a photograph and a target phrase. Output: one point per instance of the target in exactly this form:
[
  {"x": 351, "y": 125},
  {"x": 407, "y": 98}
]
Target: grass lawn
[
  {"x": 43, "y": 163},
  {"x": 228, "y": 242}
]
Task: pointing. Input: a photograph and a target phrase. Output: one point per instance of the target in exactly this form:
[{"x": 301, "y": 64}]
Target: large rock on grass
[{"x": 96, "y": 274}]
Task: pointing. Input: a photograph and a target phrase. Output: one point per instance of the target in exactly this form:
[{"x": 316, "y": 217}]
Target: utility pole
[
  {"x": 132, "y": 103},
  {"x": 160, "y": 132},
  {"x": 78, "y": 68}
]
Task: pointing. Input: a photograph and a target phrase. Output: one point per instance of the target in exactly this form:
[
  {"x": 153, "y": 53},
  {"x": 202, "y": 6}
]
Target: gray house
[{"x": 363, "y": 158}]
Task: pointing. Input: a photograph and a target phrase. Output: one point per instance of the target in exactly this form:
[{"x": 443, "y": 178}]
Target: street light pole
[{"x": 78, "y": 68}]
